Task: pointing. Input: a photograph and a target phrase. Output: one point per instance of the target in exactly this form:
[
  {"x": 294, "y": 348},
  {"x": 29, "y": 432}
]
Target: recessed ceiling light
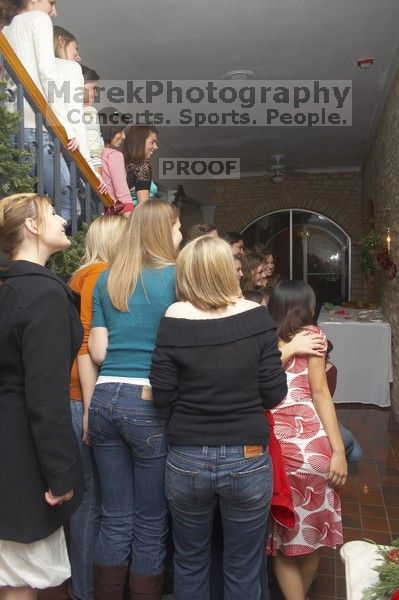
[{"x": 239, "y": 74}]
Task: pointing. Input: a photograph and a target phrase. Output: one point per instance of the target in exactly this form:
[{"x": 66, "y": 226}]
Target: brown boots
[
  {"x": 144, "y": 587},
  {"x": 109, "y": 581}
]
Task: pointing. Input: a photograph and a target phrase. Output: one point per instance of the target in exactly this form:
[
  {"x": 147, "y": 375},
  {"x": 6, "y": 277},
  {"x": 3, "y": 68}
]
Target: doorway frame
[{"x": 304, "y": 210}]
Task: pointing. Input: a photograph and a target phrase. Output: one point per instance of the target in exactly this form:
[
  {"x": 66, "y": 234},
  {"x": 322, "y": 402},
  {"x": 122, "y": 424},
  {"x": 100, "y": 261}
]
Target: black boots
[
  {"x": 109, "y": 581},
  {"x": 145, "y": 587}
]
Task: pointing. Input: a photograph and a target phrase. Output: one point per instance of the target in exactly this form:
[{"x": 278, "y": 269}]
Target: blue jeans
[
  {"x": 128, "y": 436},
  {"x": 85, "y": 521},
  {"x": 353, "y": 450},
  {"x": 196, "y": 479},
  {"x": 48, "y": 171}
]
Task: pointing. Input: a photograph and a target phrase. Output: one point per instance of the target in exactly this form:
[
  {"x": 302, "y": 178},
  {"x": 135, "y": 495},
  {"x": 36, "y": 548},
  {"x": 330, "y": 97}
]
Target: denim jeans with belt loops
[
  {"x": 128, "y": 436},
  {"x": 196, "y": 479}
]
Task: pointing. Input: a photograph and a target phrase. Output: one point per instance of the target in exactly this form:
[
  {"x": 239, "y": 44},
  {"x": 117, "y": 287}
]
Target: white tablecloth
[
  {"x": 362, "y": 355},
  {"x": 360, "y": 558}
]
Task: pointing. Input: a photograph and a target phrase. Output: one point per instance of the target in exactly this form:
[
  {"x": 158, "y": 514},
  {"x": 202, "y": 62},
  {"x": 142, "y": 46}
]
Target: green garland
[
  {"x": 388, "y": 574},
  {"x": 369, "y": 244}
]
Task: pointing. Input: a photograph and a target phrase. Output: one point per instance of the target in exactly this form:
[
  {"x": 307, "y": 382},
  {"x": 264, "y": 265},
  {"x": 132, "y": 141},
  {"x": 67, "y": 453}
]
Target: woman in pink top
[{"x": 113, "y": 165}]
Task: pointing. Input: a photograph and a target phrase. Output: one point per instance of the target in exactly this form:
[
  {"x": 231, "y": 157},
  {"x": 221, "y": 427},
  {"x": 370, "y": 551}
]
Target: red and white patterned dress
[{"x": 307, "y": 454}]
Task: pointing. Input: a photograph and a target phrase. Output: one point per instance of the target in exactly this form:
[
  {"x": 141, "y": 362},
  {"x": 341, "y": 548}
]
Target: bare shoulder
[
  {"x": 178, "y": 310},
  {"x": 243, "y": 305}
]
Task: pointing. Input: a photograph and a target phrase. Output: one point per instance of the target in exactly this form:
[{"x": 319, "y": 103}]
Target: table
[
  {"x": 360, "y": 558},
  {"x": 362, "y": 355}
]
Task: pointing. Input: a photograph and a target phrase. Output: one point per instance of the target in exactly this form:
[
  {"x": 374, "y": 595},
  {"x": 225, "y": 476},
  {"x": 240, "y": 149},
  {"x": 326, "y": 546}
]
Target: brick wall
[
  {"x": 334, "y": 195},
  {"x": 381, "y": 187}
]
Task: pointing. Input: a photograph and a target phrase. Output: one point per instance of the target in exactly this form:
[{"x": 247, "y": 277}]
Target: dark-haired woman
[
  {"x": 90, "y": 116},
  {"x": 141, "y": 141},
  {"x": 307, "y": 428},
  {"x": 235, "y": 242},
  {"x": 113, "y": 166}
]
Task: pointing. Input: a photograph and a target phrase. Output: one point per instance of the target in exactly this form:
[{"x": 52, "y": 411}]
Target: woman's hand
[
  {"x": 338, "y": 469},
  {"x": 103, "y": 187},
  {"x": 306, "y": 342},
  {"x": 85, "y": 423},
  {"x": 73, "y": 144},
  {"x": 57, "y": 500}
]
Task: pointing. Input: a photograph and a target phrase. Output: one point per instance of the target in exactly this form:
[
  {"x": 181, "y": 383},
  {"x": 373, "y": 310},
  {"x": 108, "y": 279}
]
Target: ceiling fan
[{"x": 278, "y": 169}]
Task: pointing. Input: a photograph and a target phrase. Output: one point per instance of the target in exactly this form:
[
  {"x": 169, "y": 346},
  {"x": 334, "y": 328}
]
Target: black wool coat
[{"x": 40, "y": 334}]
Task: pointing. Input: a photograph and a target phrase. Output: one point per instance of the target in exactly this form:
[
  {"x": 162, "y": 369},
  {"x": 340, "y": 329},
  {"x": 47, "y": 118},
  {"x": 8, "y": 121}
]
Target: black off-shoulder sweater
[{"x": 218, "y": 375}]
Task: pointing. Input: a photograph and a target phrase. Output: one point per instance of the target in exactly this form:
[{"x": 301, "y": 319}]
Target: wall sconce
[{"x": 388, "y": 239}]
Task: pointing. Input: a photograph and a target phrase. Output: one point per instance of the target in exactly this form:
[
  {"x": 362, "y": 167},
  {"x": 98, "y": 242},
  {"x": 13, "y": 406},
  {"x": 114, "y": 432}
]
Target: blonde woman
[
  {"x": 127, "y": 432},
  {"x": 101, "y": 243},
  {"x": 217, "y": 366},
  {"x": 40, "y": 334}
]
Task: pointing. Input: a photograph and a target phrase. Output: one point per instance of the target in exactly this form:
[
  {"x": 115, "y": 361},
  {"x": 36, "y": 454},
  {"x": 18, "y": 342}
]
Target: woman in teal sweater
[{"x": 126, "y": 430}]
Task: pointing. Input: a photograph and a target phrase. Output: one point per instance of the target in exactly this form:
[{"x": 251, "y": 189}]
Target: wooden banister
[{"x": 46, "y": 110}]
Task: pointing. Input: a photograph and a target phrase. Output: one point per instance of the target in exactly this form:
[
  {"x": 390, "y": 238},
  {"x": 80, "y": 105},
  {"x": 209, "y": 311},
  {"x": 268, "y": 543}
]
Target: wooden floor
[{"x": 370, "y": 499}]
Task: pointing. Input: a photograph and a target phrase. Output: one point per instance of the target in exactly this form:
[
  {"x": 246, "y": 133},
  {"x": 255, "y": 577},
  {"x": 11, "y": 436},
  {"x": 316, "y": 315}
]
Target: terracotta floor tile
[
  {"x": 375, "y": 524},
  {"x": 350, "y": 508},
  {"x": 379, "y": 537},
  {"x": 392, "y": 512},
  {"x": 372, "y": 511},
  {"x": 353, "y": 521},
  {"x": 372, "y": 500}
]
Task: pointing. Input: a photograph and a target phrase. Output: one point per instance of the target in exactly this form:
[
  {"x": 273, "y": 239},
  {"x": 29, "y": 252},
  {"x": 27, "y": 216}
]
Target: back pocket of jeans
[
  {"x": 252, "y": 488},
  {"x": 181, "y": 485}
]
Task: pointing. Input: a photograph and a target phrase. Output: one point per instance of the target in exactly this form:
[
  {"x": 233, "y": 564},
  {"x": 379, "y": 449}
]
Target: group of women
[
  {"x": 149, "y": 394},
  {"x": 51, "y": 57},
  {"x": 197, "y": 373}
]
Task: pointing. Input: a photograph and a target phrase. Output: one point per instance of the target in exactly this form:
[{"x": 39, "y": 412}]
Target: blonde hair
[
  {"x": 147, "y": 242},
  {"x": 14, "y": 210},
  {"x": 102, "y": 239},
  {"x": 205, "y": 274}
]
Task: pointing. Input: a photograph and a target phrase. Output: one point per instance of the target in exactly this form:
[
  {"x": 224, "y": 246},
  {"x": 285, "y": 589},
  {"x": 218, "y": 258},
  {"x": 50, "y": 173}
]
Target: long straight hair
[
  {"x": 291, "y": 306},
  {"x": 147, "y": 242},
  {"x": 102, "y": 240}
]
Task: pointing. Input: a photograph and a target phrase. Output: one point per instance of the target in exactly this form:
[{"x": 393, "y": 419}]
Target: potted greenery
[
  {"x": 14, "y": 167},
  {"x": 374, "y": 255}
]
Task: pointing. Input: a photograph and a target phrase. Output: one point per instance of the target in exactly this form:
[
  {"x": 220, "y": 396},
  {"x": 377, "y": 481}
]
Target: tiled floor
[{"x": 370, "y": 499}]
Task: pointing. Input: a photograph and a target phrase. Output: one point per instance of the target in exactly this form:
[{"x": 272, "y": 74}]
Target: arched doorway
[{"x": 306, "y": 246}]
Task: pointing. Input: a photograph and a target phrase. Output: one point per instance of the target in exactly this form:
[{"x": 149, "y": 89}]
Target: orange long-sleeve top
[{"x": 84, "y": 282}]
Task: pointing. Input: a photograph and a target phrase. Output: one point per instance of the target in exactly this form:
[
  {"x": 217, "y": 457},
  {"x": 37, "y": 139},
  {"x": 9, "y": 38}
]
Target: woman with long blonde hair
[
  {"x": 127, "y": 432},
  {"x": 101, "y": 245}
]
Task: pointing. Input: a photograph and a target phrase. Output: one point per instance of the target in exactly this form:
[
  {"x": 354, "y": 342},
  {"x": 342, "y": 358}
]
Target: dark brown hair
[
  {"x": 250, "y": 262},
  {"x": 9, "y": 9},
  {"x": 291, "y": 306},
  {"x": 200, "y": 229},
  {"x": 89, "y": 74},
  {"x": 134, "y": 144},
  {"x": 111, "y": 123}
]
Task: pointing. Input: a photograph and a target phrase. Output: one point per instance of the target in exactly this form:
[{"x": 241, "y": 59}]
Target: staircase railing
[{"x": 83, "y": 181}]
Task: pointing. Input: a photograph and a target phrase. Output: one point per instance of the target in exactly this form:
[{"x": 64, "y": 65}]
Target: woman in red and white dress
[{"x": 307, "y": 428}]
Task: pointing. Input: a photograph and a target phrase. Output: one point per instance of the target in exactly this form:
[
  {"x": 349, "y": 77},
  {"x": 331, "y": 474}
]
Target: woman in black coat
[{"x": 40, "y": 334}]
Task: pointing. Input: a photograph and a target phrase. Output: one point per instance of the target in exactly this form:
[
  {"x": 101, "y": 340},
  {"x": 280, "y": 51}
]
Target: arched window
[{"x": 306, "y": 246}]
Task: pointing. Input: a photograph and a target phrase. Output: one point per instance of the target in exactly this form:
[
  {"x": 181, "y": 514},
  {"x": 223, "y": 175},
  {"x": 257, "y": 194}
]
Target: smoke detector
[{"x": 365, "y": 63}]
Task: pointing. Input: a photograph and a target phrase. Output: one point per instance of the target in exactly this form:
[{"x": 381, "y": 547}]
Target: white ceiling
[{"x": 277, "y": 39}]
